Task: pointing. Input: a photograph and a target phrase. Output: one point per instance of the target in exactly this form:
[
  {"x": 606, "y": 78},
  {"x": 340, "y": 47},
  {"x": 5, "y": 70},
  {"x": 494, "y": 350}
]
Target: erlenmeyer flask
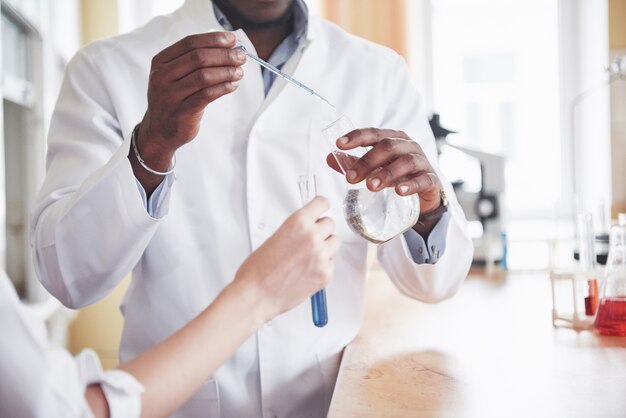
[
  {"x": 611, "y": 317},
  {"x": 376, "y": 216}
]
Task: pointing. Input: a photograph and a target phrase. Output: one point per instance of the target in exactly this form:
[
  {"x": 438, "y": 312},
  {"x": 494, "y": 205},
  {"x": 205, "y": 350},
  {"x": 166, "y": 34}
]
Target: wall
[
  {"x": 585, "y": 105},
  {"x": 99, "y": 19},
  {"x": 99, "y": 326},
  {"x": 381, "y": 21},
  {"x": 617, "y": 47},
  {"x": 617, "y": 24},
  {"x": 402, "y": 25}
]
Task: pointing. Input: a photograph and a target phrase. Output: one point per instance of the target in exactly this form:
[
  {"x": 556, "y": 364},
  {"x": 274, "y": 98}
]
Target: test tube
[
  {"x": 587, "y": 257},
  {"x": 319, "y": 311}
]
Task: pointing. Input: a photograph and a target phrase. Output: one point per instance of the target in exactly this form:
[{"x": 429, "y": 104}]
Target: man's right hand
[{"x": 184, "y": 79}]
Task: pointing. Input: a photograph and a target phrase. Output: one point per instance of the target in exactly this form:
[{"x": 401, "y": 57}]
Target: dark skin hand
[
  {"x": 184, "y": 79},
  {"x": 394, "y": 161},
  {"x": 193, "y": 72}
]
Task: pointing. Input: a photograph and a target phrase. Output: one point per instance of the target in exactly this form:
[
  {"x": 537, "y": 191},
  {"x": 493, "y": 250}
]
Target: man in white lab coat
[{"x": 239, "y": 139}]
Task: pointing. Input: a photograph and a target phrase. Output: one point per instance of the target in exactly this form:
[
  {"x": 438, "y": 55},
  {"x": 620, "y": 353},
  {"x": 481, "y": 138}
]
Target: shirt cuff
[
  {"x": 154, "y": 204},
  {"x": 431, "y": 252},
  {"x": 121, "y": 389}
]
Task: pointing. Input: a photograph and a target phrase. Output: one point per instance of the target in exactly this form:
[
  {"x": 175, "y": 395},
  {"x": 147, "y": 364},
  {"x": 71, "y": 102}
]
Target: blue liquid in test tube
[
  {"x": 308, "y": 191},
  {"x": 318, "y": 306}
]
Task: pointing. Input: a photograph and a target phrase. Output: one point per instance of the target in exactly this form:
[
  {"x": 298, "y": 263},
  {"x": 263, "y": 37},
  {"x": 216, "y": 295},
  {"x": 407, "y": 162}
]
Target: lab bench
[{"x": 490, "y": 351}]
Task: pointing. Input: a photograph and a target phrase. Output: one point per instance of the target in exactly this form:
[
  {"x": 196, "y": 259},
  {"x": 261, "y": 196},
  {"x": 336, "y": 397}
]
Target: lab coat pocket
[{"x": 205, "y": 403}]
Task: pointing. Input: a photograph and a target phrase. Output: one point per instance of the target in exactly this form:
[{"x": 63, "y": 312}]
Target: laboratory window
[{"x": 21, "y": 146}]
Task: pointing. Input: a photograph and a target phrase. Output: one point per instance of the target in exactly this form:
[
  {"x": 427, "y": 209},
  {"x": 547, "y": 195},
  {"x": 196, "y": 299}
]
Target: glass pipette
[{"x": 280, "y": 73}]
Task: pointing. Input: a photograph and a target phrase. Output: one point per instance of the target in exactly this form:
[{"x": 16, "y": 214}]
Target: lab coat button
[
  {"x": 261, "y": 226},
  {"x": 268, "y": 324}
]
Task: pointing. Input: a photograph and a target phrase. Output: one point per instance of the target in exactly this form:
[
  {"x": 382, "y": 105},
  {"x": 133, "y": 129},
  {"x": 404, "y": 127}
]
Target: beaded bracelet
[{"x": 133, "y": 141}]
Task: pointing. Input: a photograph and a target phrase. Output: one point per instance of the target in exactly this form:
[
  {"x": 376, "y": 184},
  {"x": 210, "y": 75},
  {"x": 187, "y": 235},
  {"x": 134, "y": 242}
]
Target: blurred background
[{"x": 526, "y": 98}]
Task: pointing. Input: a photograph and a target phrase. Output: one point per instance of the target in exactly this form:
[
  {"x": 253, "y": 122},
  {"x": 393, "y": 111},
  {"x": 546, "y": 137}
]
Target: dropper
[{"x": 281, "y": 74}]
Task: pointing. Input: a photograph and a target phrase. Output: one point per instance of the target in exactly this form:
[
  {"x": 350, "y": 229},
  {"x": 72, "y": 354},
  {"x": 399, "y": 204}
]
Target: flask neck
[{"x": 617, "y": 246}]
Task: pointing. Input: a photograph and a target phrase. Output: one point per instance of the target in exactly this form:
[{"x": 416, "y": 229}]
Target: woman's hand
[
  {"x": 289, "y": 267},
  {"x": 294, "y": 263}
]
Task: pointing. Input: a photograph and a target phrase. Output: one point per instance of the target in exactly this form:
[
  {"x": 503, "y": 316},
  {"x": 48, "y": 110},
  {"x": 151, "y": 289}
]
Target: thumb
[{"x": 332, "y": 162}]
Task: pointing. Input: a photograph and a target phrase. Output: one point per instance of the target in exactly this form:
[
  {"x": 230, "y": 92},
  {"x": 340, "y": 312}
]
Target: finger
[
  {"x": 325, "y": 227},
  {"x": 200, "y": 58},
  {"x": 199, "y": 100},
  {"x": 402, "y": 168},
  {"x": 326, "y": 270},
  {"x": 383, "y": 153},
  {"x": 332, "y": 163},
  {"x": 191, "y": 42},
  {"x": 315, "y": 208},
  {"x": 332, "y": 245},
  {"x": 205, "y": 78},
  {"x": 423, "y": 183},
  {"x": 340, "y": 161},
  {"x": 368, "y": 137}
]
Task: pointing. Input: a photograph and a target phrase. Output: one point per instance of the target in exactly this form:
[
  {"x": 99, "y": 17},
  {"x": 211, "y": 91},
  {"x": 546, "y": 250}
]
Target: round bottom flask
[
  {"x": 380, "y": 216},
  {"x": 376, "y": 216}
]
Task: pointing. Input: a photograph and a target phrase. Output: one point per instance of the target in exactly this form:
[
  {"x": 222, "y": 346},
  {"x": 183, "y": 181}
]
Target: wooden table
[{"x": 490, "y": 351}]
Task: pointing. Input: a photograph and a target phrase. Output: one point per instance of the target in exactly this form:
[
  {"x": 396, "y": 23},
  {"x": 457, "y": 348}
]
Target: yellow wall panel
[
  {"x": 99, "y": 19},
  {"x": 99, "y": 326},
  {"x": 617, "y": 24},
  {"x": 617, "y": 45},
  {"x": 380, "y": 21}
]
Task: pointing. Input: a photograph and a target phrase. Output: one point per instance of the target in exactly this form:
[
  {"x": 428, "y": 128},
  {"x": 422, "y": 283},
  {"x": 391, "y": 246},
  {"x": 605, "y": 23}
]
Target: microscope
[{"x": 484, "y": 207}]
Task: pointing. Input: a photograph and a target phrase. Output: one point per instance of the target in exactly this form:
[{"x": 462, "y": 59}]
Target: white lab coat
[
  {"x": 39, "y": 382},
  {"x": 235, "y": 184}
]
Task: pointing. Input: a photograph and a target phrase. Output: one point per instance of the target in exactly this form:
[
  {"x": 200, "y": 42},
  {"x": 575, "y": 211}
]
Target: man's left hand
[{"x": 394, "y": 161}]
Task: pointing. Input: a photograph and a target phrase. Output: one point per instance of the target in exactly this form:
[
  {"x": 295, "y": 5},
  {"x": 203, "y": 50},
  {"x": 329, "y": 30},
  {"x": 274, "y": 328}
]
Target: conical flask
[{"x": 611, "y": 317}]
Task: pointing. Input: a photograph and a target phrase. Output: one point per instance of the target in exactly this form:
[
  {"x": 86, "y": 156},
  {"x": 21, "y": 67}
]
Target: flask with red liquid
[{"x": 611, "y": 316}]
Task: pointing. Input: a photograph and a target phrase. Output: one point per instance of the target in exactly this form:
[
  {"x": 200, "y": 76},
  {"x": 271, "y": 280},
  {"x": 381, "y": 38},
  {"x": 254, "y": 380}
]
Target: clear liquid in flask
[
  {"x": 379, "y": 216},
  {"x": 376, "y": 216}
]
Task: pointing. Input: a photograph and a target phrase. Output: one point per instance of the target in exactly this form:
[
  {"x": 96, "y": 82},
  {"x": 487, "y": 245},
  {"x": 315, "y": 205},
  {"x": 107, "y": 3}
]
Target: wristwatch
[{"x": 435, "y": 213}]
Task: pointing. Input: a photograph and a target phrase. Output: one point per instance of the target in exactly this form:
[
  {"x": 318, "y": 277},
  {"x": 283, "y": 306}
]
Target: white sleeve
[
  {"x": 121, "y": 389},
  {"x": 36, "y": 382},
  {"x": 426, "y": 282},
  {"x": 90, "y": 226}
]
